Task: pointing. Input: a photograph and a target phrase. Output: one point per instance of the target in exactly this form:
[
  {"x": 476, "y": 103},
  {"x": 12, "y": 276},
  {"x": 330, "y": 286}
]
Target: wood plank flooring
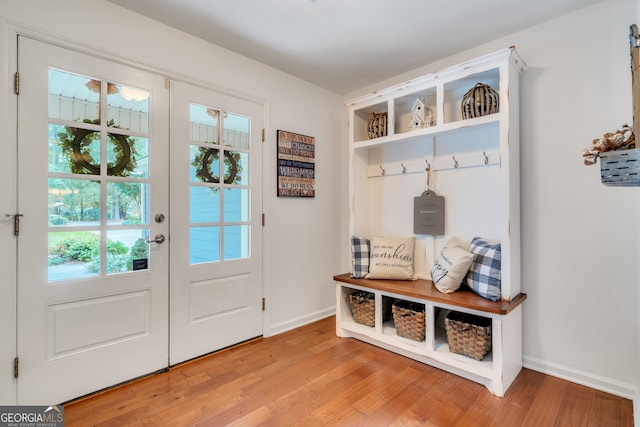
[{"x": 309, "y": 377}]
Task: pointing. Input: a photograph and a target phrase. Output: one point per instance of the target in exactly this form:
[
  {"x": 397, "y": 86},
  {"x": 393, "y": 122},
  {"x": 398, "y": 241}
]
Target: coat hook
[
  {"x": 404, "y": 168},
  {"x": 486, "y": 159},
  {"x": 381, "y": 170},
  {"x": 455, "y": 162},
  {"x": 427, "y": 162}
]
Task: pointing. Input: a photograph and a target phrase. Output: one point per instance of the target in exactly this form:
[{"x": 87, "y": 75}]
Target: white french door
[
  {"x": 93, "y": 188},
  {"x": 104, "y": 293},
  {"x": 216, "y": 229}
]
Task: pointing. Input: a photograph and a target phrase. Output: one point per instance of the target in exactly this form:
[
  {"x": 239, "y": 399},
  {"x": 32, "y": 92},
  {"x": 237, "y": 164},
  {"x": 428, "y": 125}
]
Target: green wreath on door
[
  {"x": 76, "y": 146},
  {"x": 206, "y": 157}
]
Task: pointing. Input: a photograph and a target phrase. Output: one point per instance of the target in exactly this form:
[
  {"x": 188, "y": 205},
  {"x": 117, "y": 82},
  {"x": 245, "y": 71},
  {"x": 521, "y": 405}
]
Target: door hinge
[
  {"x": 16, "y": 224},
  {"x": 263, "y": 135},
  {"x": 264, "y": 219},
  {"x": 15, "y": 367},
  {"x": 264, "y": 304},
  {"x": 16, "y": 83}
]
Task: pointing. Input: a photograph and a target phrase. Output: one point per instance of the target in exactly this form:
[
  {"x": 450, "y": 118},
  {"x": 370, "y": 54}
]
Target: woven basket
[
  {"x": 620, "y": 168},
  {"x": 479, "y": 101},
  {"x": 468, "y": 335},
  {"x": 409, "y": 320},
  {"x": 363, "y": 307}
]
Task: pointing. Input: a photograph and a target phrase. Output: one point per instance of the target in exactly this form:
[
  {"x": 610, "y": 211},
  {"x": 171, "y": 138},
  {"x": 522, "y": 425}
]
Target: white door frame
[{"x": 8, "y": 206}]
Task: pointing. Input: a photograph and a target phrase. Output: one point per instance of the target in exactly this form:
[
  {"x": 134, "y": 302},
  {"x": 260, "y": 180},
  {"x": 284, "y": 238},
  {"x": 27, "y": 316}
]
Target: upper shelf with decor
[{"x": 465, "y": 95}]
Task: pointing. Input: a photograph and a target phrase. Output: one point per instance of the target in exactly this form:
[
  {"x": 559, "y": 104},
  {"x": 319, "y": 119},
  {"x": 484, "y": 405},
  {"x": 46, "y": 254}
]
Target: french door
[
  {"x": 216, "y": 229},
  {"x": 92, "y": 186},
  {"x": 104, "y": 221}
]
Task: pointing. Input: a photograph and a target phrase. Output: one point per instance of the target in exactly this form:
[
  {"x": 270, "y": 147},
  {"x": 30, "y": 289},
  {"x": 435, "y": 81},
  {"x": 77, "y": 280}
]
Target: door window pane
[
  {"x": 74, "y": 150},
  {"x": 73, "y": 97},
  {"x": 204, "y": 204},
  {"x": 236, "y": 242},
  {"x": 127, "y": 250},
  {"x": 127, "y": 156},
  {"x": 73, "y": 202},
  {"x": 204, "y": 244},
  {"x": 236, "y": 205},
  {"x": 236, "y": 168},
  {"x": 204, "y": 124},
  {"x": 127, "y": 203},
  {"x": 205, "y": 165},
  {"x": 128, "y": 108},
  {"x": 73, "y": 255},
  {"x": 236, "y": 131}
]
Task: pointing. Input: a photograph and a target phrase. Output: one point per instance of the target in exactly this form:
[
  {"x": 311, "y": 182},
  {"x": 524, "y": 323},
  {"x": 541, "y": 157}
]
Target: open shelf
[{"x": 474, "y": 164}]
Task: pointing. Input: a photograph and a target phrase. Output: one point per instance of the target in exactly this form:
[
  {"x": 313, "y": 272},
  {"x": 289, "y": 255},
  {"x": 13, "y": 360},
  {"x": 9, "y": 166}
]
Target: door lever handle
[{"x": 158, "y": 238}]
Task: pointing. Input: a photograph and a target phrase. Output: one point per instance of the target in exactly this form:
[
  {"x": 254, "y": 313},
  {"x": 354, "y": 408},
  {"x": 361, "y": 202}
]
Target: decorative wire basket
[
  {"x": 409, "y": 319},
  {"x": 377, "y": 125},
  {"x": 479, "y": 101},
  {"x": 468, "y": 334}
]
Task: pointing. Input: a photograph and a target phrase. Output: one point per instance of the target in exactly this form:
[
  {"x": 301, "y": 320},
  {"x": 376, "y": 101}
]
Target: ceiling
[{"x": 344, "y": 45}]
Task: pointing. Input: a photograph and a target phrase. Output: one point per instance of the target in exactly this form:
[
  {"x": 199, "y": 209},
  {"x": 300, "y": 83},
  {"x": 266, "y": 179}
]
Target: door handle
[{"x": 158, "y": 238}]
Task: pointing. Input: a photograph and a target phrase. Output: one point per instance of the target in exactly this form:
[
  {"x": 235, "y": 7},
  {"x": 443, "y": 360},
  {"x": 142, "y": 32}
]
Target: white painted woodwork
[
  {"x": 81, "y": 335},
  {"x": 482, "y": 199},
  {"x": 213, "y": 304}
]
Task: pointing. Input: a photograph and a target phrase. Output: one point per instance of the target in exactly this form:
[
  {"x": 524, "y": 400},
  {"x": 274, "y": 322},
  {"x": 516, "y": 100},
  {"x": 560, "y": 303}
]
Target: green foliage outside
[{"x": 84, "y": 247}]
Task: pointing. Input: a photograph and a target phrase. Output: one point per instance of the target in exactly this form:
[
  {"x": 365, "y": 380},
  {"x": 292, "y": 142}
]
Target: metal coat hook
[
  {"x": 404, "y": 168},
  {"x": 428, "y": 165},
  {"x": 486, "y": 159},
  {"x": 382, "y": 172},
  {"x": 455, "y": 162}
]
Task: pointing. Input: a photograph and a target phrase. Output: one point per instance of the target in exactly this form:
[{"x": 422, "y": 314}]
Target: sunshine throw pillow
[{"x": 391, "y": 258}]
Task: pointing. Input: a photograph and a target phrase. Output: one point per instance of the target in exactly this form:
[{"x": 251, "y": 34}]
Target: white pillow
[
  {"x": 451, "y": 267},
  {"x": 456, "y": 242},
  {"x": 391, "y": 258}
]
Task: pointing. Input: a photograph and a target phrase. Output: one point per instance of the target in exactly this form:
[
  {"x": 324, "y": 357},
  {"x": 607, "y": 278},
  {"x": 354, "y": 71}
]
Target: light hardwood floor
[{"x": 309, "y": 377}]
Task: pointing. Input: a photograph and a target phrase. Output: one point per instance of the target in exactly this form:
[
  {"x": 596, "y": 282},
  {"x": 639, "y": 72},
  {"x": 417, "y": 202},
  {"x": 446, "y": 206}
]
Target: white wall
[
  {"x": 301, "y": 235},
  {"x": 579, "y": 238}
]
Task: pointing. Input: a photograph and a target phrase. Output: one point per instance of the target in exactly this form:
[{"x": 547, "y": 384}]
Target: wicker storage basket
[
  {"x": 409, "y": 319},
  {"x": 468, "y": 335},
  {"x": 363, "y": 307},
  {"x": 620, "y": 168},
  {"x": 480, "y": 100}
]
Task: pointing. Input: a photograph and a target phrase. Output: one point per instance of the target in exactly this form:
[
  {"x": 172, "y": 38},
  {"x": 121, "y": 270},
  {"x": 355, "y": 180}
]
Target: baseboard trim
[
  {"x": 279, "y": 328},
  {"x": 597, "y": 382}
]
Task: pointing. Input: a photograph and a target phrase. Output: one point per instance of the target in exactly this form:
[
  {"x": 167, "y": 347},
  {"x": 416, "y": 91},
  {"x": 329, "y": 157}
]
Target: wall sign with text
[{"x": 296, "y": 165}]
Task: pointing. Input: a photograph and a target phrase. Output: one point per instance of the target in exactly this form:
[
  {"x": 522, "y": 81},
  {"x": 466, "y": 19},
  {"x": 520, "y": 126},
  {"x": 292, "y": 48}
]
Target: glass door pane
[
  {"x": 98, "y": 177},
  {"x": 219, "y": 190}
]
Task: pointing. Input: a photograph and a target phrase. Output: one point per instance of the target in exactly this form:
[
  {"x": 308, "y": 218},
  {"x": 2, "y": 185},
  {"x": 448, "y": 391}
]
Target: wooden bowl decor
[
  {"x": 377, "y": 125},
  {"x": 479, "y": 101}
]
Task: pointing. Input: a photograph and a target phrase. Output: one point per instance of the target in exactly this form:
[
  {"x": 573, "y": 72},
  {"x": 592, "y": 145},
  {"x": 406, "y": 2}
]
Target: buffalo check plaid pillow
[
  {"x": 484, "y": 275},
  {"x": 360, "y": 249}
]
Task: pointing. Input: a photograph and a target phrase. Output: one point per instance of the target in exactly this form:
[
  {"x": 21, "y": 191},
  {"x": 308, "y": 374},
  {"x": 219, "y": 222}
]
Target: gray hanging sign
[{"x": 428, "y": 214}]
